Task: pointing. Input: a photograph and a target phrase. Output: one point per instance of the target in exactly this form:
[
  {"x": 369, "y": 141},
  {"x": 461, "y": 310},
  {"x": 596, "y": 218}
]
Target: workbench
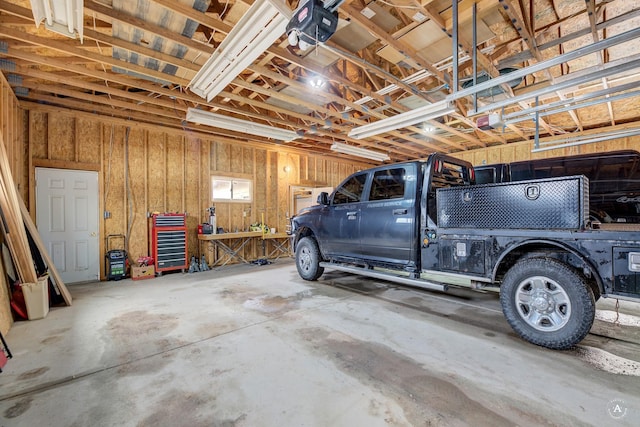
[
  {"x": 233, "y": 243},
  {"x": 281, "y": 245}
]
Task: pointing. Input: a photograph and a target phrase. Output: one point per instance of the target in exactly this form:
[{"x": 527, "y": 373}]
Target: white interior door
[{"x": 67, "y": 220}]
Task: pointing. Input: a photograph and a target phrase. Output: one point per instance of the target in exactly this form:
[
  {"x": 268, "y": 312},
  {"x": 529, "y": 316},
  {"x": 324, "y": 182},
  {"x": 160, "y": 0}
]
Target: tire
[
  {"x": 308, "y": 259},
  {"x": 547, "y": 303}
]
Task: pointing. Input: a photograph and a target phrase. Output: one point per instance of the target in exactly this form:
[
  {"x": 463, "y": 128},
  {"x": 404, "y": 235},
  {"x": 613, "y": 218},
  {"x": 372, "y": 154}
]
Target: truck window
[
  {"x": 388, "y": 184},
  {"x": 486, "y": 175},
  {"x": 351, "y": 190},
  {"x": 444, "y": 174}
]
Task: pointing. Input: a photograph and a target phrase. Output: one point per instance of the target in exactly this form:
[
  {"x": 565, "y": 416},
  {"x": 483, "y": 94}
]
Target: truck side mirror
[{"x": 323, "y": 198}]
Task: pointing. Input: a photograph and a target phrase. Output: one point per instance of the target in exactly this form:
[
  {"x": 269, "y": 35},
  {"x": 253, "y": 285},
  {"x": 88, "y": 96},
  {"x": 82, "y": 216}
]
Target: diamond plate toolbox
[{"x": 553, "y": 203}]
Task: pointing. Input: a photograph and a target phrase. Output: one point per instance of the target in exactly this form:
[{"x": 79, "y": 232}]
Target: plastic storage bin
[{"x": 36, "y": 298}]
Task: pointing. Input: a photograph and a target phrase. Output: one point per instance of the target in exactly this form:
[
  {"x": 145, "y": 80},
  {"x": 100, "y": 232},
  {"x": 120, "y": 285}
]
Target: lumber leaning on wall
[
  {"x": 15, "y": 234},
  {"x": 53, "y": 271}
]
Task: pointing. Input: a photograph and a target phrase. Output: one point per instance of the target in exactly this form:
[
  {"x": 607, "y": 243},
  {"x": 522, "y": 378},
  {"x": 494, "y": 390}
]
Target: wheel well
[
  {"x": 548, "y": 250},
  {"x": 303, "y": 232}
]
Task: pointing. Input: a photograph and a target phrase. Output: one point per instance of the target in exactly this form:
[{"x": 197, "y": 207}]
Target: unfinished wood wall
[
  {"x": 145, "y": 169},
  {"x": 522, "y": 150},
  {"x": 11, "y": 125}
]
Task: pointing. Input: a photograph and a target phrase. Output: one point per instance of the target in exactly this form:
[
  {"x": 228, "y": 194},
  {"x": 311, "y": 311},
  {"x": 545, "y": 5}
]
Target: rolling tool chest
[{"x": 169, "y": 242}]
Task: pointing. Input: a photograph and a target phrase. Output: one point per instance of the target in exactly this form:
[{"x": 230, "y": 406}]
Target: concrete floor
[{"x": 258, "y": 346}]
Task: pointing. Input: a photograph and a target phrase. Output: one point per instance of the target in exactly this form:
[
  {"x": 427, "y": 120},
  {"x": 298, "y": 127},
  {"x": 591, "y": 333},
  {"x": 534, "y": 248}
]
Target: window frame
[{"x": 232, "y": 181}]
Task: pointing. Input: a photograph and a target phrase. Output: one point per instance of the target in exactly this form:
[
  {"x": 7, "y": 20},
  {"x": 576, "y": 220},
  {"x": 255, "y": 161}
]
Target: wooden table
[
  {"x": 235, "y": 243},
  {"x": 281, "y": 245}
]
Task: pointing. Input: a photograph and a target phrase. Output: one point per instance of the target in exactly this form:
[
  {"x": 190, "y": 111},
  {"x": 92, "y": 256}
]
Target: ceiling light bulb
[{"x": 317, "y": 82}]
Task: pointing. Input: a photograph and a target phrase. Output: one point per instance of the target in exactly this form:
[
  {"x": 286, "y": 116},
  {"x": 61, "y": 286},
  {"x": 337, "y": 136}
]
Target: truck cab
[{"x": 376, "y": 218}]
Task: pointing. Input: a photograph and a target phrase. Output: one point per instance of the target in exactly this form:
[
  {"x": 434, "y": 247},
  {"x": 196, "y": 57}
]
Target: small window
[
  {"x": 351, "y": 190},
  {"x": 231, "y": 189},
  {"x": 388, "y": 184}
]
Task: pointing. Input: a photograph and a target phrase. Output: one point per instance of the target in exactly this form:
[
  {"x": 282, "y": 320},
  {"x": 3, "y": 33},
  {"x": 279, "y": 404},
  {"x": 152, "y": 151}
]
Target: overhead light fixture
[
  {"x": 409, "y": 118},
  {"x": 317, "y": 82},
  {"x": 231, "y": 123},
  {"x": 62, "y": 16},
  {"x": 260, "y": 26},
  {"x": 360, "y": 152}
]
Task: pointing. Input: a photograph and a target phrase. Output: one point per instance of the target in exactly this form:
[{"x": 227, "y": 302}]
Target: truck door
[
  {"x": 388, "y": 231},
  {"x": 338, "y": 234}
]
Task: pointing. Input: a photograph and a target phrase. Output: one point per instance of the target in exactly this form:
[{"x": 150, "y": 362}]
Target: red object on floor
[{"x": 18, "y": 305}]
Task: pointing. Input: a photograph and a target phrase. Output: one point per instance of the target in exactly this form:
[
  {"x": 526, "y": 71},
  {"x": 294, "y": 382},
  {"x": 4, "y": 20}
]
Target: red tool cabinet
[{"x": 169, "y": 241}]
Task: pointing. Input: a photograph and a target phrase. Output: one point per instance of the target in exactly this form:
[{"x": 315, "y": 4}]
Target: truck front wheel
[
  {"x": 308, "y": 259},
  {"x": 547, "y": 303}
]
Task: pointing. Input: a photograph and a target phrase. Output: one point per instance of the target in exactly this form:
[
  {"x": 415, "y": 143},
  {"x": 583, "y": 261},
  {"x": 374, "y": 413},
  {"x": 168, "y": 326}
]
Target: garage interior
[{"x": 164, "y": 103}]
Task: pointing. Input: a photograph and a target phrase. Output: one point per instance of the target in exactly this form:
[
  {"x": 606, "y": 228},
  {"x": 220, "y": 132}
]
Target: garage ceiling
[{"x": 136, "y": 60}]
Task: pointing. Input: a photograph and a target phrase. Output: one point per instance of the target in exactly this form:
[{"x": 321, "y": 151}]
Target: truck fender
[{"x": 510, "y": 257}]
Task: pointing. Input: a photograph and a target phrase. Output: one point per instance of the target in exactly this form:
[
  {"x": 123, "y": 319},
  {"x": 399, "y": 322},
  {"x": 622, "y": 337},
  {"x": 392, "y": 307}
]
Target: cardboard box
[{"x": 144, "y": 272}]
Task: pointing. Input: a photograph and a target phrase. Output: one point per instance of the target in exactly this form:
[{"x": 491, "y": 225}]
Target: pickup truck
[{"x": 427, "y": 224}]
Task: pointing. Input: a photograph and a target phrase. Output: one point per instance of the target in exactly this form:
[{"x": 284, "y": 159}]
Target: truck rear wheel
[
  {"x": 308, "y": 259},
  {"x": 547, "y": 303}
]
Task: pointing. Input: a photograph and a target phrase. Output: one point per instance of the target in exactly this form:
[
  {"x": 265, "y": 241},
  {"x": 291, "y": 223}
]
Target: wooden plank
[
  {"x": 53, "y": 271},
  {"x": 6, "y": 318},
  {"x": 16, "y": 237}
]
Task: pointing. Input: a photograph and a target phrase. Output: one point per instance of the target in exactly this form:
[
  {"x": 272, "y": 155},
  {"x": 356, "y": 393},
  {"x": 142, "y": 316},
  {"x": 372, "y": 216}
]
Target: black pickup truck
[{"x": 426, "y": 224}]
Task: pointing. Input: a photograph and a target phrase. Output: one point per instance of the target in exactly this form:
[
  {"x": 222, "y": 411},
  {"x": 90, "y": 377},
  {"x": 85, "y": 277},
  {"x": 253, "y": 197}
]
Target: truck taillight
[
  {"x": 437, "y": 166},
  {"x": 472, "y": 174}
]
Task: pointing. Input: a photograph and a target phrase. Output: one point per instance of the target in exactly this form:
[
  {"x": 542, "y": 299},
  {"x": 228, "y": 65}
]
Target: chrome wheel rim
[
  {"x": 543, "y": 303},
  {"x": 304, "y": 259}
]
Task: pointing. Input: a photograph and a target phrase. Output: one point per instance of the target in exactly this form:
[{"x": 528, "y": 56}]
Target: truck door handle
[{"x": 399, "y": 211}]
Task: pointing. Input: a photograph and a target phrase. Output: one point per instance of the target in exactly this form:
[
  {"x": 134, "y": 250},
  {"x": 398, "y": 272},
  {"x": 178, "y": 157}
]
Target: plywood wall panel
[
  {"x": 286, "y": 170},
  {"x": 170, "y": 171},
  {"x": 222, "y": 157},
  {"x": 175, "y": 178},
  {"x": 260, "y": 184},
  {"x": 271, "y": 209},
  {"x": 236, "y": 158},
  {"x": 38, "y": 141},
  {"x": 523, "y": 151},
  {"x": 136, "y": 195},
  {"x": 248, "y": 160},
  {"x": 193, "y": 208},
  {"x": 62, "y": 138},
  {"x": 114, "y": 192},
  {"x": 88, "y": 140},
  {"x": 156, "y": 168}
]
